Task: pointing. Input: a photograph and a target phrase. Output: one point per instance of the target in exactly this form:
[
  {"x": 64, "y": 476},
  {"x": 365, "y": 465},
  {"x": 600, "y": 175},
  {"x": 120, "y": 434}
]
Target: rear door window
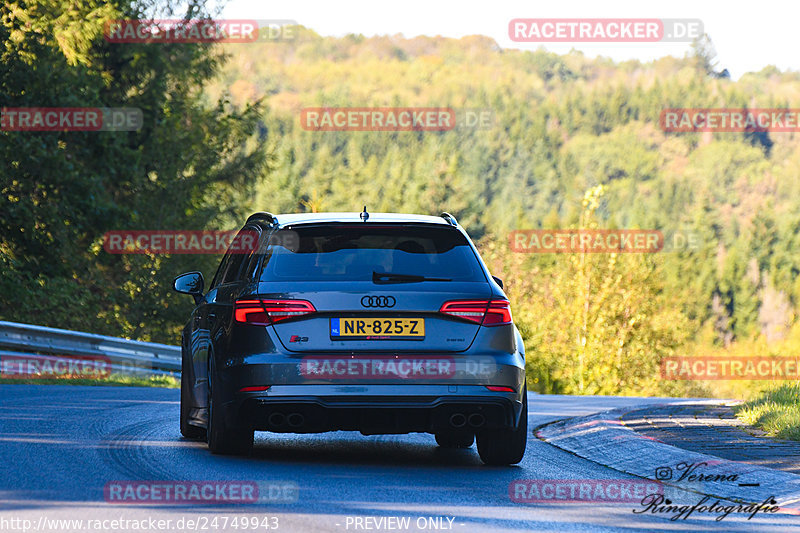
[{"x": 238, "y": 255}]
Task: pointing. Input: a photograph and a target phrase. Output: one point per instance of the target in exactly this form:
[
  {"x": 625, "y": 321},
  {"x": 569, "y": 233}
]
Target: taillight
[
  {"x": 484, "y": 312},
  {"x": 472, "y": 310},
  {"x": 265, "y": 312},
  {"x": 499, "y": 313}
]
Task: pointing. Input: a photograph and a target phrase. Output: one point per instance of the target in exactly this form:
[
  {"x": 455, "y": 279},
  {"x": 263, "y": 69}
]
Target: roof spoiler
[
  {"x": 263, "y": 215},
  {"x": 450, "y": 219}
]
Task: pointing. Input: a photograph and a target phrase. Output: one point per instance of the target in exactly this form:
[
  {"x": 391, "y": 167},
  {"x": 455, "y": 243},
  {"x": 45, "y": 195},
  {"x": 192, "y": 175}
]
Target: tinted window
[
  {"x": 239, "y": 252},
  {"x": 221, "y": 270},
  {"x": 352, "y": 252}
]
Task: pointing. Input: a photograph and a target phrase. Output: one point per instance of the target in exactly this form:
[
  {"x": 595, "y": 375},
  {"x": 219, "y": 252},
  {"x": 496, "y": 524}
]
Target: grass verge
[
  {"x": 776, "y": 411},
  {"x": 114, "y": 380}
]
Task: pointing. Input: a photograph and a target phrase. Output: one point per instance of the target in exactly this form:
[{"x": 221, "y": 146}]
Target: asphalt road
[{"x": 60, "y": 446}]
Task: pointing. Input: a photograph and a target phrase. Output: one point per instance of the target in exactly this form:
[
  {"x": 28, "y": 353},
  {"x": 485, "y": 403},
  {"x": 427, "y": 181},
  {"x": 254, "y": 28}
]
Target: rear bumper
[{"x": 376, "y": 409}]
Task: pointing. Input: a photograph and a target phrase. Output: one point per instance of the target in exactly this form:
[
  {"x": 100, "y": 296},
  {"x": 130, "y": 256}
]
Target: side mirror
[
  {"x": 190, "y": 283},
  {"x": 498, "y": 281}
]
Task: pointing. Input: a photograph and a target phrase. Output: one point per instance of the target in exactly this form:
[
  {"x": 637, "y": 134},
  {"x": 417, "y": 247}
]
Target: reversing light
[
  {"x": 484, "y": 312},
  {"x": 472, "y": 310},
  {"x": 266, "y": 312}
]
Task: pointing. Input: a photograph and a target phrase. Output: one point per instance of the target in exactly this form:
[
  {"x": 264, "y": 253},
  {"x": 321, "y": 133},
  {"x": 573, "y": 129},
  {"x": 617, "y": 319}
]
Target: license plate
[{"x": 378, "y": 328}]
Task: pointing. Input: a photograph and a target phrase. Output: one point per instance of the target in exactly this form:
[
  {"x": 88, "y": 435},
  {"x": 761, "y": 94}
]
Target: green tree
[{"x": 61, "y": 191}]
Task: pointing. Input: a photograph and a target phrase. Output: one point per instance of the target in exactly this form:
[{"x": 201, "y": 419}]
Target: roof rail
[
  {"x": 263, "y": 215},
  {"x": 449, "y": 218}
]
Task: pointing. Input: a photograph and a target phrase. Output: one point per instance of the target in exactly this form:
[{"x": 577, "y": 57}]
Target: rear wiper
[{"x": 388, "y": 277}]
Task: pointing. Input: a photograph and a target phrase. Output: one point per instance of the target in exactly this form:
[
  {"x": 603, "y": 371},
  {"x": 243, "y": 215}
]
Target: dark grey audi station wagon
[{"x": 374, "y": 322}]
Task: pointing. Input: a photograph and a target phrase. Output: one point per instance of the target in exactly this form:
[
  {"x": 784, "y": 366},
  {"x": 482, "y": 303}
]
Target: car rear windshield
[{"x": 354, "y": 252}]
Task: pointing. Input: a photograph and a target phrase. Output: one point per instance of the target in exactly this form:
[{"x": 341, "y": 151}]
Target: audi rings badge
[{"x": 378, "y": 301}]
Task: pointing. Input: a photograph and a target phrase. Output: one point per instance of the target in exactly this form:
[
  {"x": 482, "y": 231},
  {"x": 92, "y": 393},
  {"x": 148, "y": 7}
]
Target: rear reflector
[
  {"x": 484, "y": 312},
  {"x": 255, "y": 389},
  {"x": 498, "y": 388},
  {"x": 265, "y": 312}
]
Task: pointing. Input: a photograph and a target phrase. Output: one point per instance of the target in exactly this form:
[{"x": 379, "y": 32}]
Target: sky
[{"x": 747, "y": 35}]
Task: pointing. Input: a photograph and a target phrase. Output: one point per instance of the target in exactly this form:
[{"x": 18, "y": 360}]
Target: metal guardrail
[{"x": 126, "y": 356}]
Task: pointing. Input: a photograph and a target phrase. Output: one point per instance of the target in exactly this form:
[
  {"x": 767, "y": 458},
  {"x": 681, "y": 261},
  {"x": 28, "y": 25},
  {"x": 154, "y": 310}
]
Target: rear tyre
[
  {"x": 223, "y": 439},
  {"x": 187, "y": 430},
  {"x": 455, "y": 440},
  {"x": 505, "y": 446}
]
